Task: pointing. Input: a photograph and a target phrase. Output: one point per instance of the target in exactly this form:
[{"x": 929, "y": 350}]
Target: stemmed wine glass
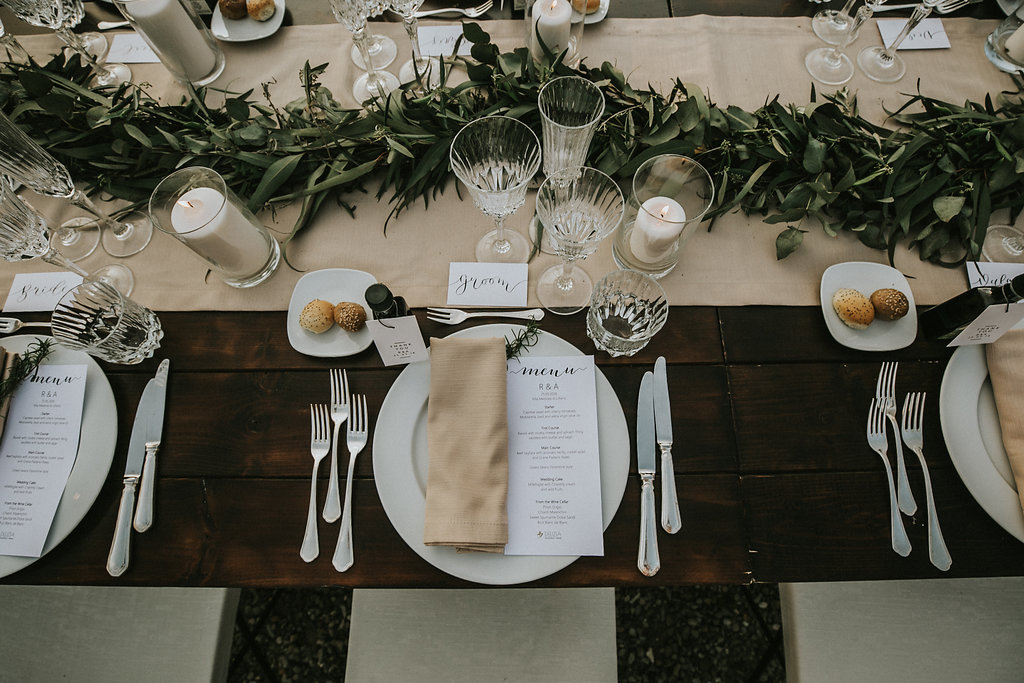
[
  {"x": 419, "y": 68},
  {"x": 382, "y": 49},
  {"x": 496, "y": 157},
  {"x": 831, "y": 25},
  {"x": 15, "y": 52},
  {"x": 579, "y": 207},
  {"x": 62, "y": 16},
  {"x": 881, "y": 63},
  {"x": 26, "y": 161},
  {"x": 828, "y": 64},
  {"x": 1003, "y": 244},
  {"x": 352, "y": 14},
  {"x": 24, "y": 234}
]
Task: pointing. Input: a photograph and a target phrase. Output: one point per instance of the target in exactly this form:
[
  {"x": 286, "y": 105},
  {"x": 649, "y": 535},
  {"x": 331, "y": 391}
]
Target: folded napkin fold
[
  {"x": 467, "y": 440},
  {"x": 7, "y": 359},
  {"x": 1006, "y": 371}
]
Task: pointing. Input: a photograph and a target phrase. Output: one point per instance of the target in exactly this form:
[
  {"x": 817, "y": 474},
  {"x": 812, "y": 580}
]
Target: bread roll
[
  {"x": 586, "y": 6},
  {"x": 317, "y": 316},
  {"x": 233, "y": 9},
  {"x": 890, "y": 304},
  {"x": 853, "y": 308},
  {"x": 350, "y": 316},
  {"x": 260, "y": 10}
]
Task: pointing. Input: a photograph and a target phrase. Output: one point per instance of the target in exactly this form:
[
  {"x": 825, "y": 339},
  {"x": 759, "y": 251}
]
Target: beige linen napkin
[
  {"x": 1006, "y": 370},
  {"x": 6, "y": 363},
  {"x": 467, "y": 441}
]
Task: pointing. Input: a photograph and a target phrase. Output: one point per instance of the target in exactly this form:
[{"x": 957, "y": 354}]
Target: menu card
[
  {"x": 37, "y": 452},
  {"x": 554, "y": 468}
]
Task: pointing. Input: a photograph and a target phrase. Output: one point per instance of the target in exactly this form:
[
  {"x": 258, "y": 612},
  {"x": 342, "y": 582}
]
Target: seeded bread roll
[
  {"x": 317, "y": 316},
  {"x": 350, "y": 316},
  {"x": 260, "y": 10},
  {"x": 890, "y": 304},
  {"x": 853, "y": 308},
  {"x": 590, "y": 5},
  {"x": 233, "y": 9}
]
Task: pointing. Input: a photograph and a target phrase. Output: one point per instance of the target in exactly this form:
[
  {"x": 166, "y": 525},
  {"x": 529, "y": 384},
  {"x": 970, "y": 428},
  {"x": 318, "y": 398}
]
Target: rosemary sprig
[
  {"x": 24, "y": 366},
  {"x": 523, "y": 339}
]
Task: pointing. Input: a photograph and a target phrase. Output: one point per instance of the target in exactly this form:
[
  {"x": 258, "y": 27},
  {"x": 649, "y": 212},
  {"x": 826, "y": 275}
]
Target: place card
[
  {"x": 487, "y": 284},
  {"x": 130, "y": 48},
  {"x": 39, "y": 291},
  {"x": 992, "y": 324},
  {"x": 37, "y": 452},
  {"x": 928, "y": 35},
  {"x": 986, "y": 274},
  {"x": 554, "y": 465},
  {"x": 439, "y": 41},
  {"x": 398, "y": 340}
]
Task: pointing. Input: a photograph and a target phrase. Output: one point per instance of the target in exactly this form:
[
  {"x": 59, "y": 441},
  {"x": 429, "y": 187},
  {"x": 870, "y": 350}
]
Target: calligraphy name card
[
  {"x": 928, "y": 35},
  {"x": 39, "y": 291},
  {"x": 487, "y": 284},
  {"x": 130, "y": 48},
  {"x": 985, "y": 274},
  {"x": 439, "y": 41}
]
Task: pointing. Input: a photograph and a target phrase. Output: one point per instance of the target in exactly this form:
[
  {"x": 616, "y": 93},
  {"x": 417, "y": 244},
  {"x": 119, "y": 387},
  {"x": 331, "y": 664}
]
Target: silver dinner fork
[
  {"x": 885, "y": 392},
  {"x": 319, "y": 447},
  {"x": 454, "y": 316},
  {"x": 9, "y": 325},
  {"x": 471, "y": 12},
  {"x": 339, "y": 413},
  {"x": 942, "y": 8},
  {"x": 878, "y": 442},
  {"x": 357, "y": 435},
  {"x": 913, "y": 435}
]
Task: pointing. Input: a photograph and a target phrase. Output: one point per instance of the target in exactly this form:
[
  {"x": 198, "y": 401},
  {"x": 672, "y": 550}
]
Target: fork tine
[
  {"x": 344, "y": 385},
  {"x": 366, "y": 414},
  {"x": 880, "y": 384},
  {"x": 438, "y": 319},
  {"x": 439, "y": 311},
  {"x": 334, "y": 386}
]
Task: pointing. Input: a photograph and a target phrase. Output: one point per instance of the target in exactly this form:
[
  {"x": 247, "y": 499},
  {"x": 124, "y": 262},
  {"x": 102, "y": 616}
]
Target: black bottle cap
[
  {"x": 1017, "y": 285},
  {"x": 379, "y": 297}
]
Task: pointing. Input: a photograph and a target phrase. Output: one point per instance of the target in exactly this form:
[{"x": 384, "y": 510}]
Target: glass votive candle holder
[
  {"x": 627, "y": 308},
  {"x": 669, "y": 197},
  {"x": 97, "y": 319},
  {"x": 554, "y": 26},
  {"x": 1005, "y": 45},
  {"x": 178, "y": 37},
  {"x": 196, "y": 207}
]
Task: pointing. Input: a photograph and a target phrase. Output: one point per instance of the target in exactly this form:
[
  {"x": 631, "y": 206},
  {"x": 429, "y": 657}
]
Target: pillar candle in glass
[
  {"x": 197, "y": 208},
  {"x": 554, "y": 25},
  {"x": 669, "y": 197},
  {"x": 178, "y": 37},
  {"x": 1005, "y": 45}
]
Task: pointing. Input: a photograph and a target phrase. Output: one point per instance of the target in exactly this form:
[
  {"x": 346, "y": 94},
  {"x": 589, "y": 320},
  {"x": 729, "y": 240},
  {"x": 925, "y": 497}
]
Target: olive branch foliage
[{"x": 932, "y": 180}]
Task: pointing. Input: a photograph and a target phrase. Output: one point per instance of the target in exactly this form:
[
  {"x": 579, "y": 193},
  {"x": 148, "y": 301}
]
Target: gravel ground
[{"x": 690, "y": 633}]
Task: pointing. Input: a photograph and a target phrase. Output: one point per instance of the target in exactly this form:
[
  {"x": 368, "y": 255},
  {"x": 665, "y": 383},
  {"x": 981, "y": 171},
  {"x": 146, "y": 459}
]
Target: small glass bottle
[
  {"x": 948, "y": 319},
  {"x": 384, "y": 304}
]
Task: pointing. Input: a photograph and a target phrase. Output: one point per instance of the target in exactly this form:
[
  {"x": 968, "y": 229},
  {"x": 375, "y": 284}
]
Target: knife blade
[
  {"x": 150, "y": 407},
  {"x": 154, "y": 432},
  {"x": 670, "y": 521},
  {"x": 648, "y": 561}
]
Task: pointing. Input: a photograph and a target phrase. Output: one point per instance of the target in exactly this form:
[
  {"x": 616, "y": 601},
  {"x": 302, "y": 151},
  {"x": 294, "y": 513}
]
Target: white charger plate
[
  {"x": 334, "y": 285},
  {"x": 970, "y": 426},
  {"x": 400, "y": 466},
  {"x": 243, "y": 30},
  {"x": 865, "y": 277},
  {"x": 95, "y": 448}
]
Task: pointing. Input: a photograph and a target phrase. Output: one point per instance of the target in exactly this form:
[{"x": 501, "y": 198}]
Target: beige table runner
[{"x": 742, "y": 61}]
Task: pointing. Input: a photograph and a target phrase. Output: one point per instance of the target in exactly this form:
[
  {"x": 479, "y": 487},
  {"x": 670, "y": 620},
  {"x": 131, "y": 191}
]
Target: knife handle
[
  {"x": 648, "y": 561},
  {"x": 144, "y": 510},
  {"x": 117, "y": 561},
  {"x": 670, "y": 521}
]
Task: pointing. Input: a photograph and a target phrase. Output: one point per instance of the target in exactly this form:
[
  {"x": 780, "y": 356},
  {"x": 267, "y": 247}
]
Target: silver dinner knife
[
  {"x": 154, "y": 432},
  {"x": 670, "y": 521},
  {"x": 151, "y": 408},
  {"x": 647, "y": 560}
]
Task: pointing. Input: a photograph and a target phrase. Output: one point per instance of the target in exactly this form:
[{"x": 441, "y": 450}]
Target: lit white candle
[
  {"x": 1015, "y": 45},
  {"x": 169, "y": 30},
  {"x": 551, "y": 22},
  {"x": 658, "y": 225},
  {"x": 214, "y": 228}
]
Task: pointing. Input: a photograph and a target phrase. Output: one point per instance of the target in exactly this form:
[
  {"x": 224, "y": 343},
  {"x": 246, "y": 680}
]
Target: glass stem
[
  {"x": 412, "y": 29},
  {"x": 15, "y": 51},
  {"x": 564, "y": 281},
  {"x": 372, "y": 79},
  {"x": 863, "y": 14},
  {"x": 75, "y": 43},
  {"x": 919, "y": 13},
  {"x": 120, "y": 230},
  {"x": 54, "y": 257}
]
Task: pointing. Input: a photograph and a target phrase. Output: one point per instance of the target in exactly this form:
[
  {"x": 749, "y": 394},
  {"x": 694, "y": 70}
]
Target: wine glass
[
  {"x": 828, "y": 64},
  {"x": 579, "y": 207},
  {"x": 382, "y": 49},
  {"x": 831, "y": 25},
  {"x": 24, "y": 234},
  {"x": 26, "y": 161},
  {"x": 61, "y": 16},
  {"x": 496, "y": 157},
  {"x": 882, "y": 64},
  {"x": 419, "y": 68},
  {"x": 1003, "y": 244},
  {"x": 15, "y": 52},
  {"x": 352, "y": 14}
]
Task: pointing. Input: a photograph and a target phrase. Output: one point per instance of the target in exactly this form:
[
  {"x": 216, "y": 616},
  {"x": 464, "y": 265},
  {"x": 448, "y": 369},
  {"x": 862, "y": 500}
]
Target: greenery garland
[{"x": 932, "y": 182}]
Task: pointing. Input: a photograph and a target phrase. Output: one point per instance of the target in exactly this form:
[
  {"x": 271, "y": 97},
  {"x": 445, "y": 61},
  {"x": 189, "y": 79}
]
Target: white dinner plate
[
  {"x": 881, "y": 335},
  {"x": 242, "y": 30},
  {"x": 970, "y": 426},
  {"x": 334, "y": 285},
  {"x": 601, "y": 13},
  {"x": 400, "y": 466},
  {"x": 95, "y": 449}
]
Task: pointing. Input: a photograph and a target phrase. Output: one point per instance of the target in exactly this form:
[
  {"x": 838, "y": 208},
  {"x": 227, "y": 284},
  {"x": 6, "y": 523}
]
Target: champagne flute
[
  {"x": 828, "y": 64},
  {"x": 497, "y": 157},
  {"x": 61, "y": 16},
  {"x": 382, "y": 49},
  {"x": 352, "y": 14},
  {"x": 15, "y": 52},
  {"x": 419, "y": 68},
  {"x": 23, "y": 159},
  {"x": 882, "y": 64},
  {"x": 831, "y": 25}
]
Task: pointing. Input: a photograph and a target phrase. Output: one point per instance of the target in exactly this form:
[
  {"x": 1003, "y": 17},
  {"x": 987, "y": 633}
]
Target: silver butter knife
[
  {"x": 151, "y": 407},
  {"x": 670, "y": 521},
  {"x": 154, "y": 432},
  {"x": 647, "y": 560}
]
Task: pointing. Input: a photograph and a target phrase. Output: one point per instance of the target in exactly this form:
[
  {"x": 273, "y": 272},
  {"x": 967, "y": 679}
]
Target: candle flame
[
  {"x": 185, "y": 202},
  {"x": 554, "y": 5},
  {"x": 664, "y": 210}
]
